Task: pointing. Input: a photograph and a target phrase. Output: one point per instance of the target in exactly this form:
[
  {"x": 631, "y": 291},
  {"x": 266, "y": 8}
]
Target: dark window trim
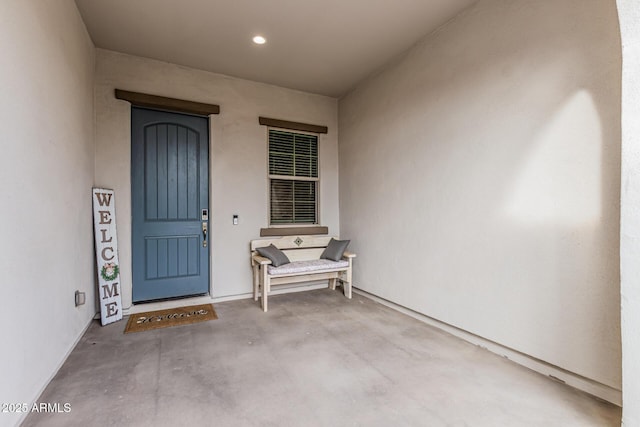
[
  {"x": 285, "y": 124},
  {"x": 293, "y": 231},
  {"x": 180, "y": 105}
]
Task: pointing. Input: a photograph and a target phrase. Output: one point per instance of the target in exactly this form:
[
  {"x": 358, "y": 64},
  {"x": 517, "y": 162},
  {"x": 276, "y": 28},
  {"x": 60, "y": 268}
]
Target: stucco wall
[
  {"x": 629, "y": 15},
  {"x": 238, "y": 181},
  {"x": 479, "y": 179},
  {"x": 46, "y": 175}
]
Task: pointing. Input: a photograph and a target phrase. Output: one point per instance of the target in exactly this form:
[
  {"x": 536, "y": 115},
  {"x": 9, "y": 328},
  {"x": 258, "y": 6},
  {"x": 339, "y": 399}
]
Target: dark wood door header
[{"x": 171, "y": 104}]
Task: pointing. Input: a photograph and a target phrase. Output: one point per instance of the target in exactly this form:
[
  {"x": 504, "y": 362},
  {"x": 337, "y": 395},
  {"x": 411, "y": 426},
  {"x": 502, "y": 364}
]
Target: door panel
[{"x": 169, "y": 191}]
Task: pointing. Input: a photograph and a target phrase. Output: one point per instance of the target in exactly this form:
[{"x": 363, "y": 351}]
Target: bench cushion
[{"x": 307, "y": 266}]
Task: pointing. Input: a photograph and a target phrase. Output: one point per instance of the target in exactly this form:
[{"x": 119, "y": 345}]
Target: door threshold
[
  {"x": 170, "y": 298},
  {"x": 165, "y": 304}
]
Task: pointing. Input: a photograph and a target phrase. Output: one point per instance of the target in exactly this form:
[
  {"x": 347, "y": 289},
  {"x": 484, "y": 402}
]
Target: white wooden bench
[{"x": 304, "y": 253}]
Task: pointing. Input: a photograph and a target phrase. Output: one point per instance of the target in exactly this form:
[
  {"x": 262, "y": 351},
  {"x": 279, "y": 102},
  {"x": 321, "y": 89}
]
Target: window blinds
[{"x": 293, "y": 173}]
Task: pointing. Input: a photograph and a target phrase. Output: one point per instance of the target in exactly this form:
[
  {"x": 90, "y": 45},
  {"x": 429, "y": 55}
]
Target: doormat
[{"x": 170, "y": 317}]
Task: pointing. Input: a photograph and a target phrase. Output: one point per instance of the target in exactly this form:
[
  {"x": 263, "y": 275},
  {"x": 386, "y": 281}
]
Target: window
[{"x": 293, "y": 177}]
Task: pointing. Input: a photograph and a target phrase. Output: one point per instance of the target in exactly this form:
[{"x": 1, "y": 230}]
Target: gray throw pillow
[
  {"x": 276, "y": 256},
  {"x": 335, "y": 249}
]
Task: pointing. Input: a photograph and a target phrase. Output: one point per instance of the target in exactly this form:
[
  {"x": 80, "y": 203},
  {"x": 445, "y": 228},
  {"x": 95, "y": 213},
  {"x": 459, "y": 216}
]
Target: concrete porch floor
[{"x": 315, "y": 359}]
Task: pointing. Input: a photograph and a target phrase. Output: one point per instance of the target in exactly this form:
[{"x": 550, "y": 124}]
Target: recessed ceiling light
[{"x": 259, "y": 40}]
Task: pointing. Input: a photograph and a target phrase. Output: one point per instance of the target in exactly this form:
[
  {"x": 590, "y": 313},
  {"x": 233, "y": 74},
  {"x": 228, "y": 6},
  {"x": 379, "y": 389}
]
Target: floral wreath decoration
[{"x": 109, "y": 271}]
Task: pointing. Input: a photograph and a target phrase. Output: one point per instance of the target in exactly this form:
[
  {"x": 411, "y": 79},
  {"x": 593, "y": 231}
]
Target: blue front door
[{"x": 170, "y": 203}]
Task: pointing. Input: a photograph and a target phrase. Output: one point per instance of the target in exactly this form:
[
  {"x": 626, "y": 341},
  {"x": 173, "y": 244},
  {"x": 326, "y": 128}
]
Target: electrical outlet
[{"x": 80, "y": 298}]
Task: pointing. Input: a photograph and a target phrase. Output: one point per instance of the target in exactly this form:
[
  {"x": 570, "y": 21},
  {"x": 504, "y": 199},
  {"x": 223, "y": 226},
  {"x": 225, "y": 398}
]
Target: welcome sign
[{"x": 104, "y": 224}]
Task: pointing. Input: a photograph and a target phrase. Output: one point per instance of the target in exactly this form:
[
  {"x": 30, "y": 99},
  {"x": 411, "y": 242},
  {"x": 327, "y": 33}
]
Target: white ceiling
[{"x": 318, "y": 46}]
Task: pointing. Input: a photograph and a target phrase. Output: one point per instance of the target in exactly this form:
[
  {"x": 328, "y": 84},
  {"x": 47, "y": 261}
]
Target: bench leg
[
  {"x": 347, "y": 284},
  {"x": 256, "y": 281},
  {"x": 332, "y": 284},
  {"x": 265, "y": 288}
]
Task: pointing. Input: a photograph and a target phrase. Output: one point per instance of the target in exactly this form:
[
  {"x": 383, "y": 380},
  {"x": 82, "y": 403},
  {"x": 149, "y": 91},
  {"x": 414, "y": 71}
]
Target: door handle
[{"x": 204, "y": 234}]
